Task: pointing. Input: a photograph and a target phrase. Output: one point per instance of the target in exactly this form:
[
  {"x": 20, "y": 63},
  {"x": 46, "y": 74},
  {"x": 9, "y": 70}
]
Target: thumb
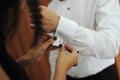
[{"x": 48, "y": 43}]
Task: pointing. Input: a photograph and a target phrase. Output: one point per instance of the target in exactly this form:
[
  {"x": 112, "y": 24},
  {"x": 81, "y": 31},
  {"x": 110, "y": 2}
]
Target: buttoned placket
[{"x": 64, "y": 5}]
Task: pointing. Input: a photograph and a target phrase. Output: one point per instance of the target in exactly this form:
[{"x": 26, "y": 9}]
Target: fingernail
[
  {"x": 55, "y": 38},
  {"x": 75, "y": 65},
  {"x": 77, "y": 51},
  {"x": 32, "y": 27},
  {"x": 60, "y": 45}
]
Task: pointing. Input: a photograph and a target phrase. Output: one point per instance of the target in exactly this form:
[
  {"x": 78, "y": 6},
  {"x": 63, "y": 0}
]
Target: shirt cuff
[
  {"x": 58, "y": 41},
  {"x": 66, "y": 29}
]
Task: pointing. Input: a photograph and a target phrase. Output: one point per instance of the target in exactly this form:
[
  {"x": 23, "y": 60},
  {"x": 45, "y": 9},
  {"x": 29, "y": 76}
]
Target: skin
[
  {"x": 49, "y": 21},
  {"x": 35, "y": 54},
  {"x": 3, "y": 75},
  {"x": 65, "y": 61}
]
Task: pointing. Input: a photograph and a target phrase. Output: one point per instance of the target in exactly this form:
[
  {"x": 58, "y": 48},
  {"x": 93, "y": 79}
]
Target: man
[{"x": 92, "y": 27}]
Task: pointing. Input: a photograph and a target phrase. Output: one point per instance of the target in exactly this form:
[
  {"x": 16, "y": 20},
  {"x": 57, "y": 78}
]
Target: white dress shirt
[{"x": 93, "y": 28}]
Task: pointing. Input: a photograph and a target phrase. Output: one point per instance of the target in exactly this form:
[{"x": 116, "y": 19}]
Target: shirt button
[
  {"x": 68, "y": 8},
  {"x": 61, "y": 0}
]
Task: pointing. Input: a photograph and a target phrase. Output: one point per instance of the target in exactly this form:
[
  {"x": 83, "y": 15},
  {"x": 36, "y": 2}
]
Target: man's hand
[{"x": 49, "y": 19}]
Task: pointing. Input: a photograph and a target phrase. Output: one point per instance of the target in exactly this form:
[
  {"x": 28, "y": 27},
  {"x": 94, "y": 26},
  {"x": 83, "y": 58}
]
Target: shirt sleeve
[{"x": 103, "y": 42}]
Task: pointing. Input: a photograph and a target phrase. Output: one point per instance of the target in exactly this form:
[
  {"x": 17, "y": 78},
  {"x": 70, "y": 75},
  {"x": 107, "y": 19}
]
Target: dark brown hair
[{"x": 9, "y": 16}]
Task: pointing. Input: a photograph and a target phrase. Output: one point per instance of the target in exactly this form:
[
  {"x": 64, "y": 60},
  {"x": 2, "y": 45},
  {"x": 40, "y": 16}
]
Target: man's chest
[{"x": 81, "y": 11}]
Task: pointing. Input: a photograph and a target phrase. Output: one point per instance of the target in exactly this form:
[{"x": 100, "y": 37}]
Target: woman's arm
[
  {"x": 3, "y": 75},
  {"x": 35, "y": 53}
]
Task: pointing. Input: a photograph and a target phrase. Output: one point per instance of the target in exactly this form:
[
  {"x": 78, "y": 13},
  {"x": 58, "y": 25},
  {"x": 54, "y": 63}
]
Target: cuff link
[{"x": 62, "y": 0}]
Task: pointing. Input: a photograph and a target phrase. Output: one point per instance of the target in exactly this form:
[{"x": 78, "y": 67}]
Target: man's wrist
[{"x": 56, "y": 23}]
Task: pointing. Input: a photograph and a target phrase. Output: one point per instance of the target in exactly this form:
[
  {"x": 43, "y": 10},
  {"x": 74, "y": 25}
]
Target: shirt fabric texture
[{"x": 93, "y": 28}]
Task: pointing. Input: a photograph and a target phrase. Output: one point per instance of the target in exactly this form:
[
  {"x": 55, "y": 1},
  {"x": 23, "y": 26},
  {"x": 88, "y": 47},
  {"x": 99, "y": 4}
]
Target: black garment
[
  {"x": 13, "y": 69},
  {"x": 4, "y": 4},
  {"x": 107, "y": 74}
]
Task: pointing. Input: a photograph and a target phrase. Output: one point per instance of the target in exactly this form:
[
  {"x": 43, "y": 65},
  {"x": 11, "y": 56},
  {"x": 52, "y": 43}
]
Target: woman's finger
[
  {"x": 70, "y": 48},
  {"x": 48, "y": 43}
]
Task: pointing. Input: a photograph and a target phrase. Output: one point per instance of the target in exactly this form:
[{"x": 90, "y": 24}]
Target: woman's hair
[{"x": 9, "y": 16}]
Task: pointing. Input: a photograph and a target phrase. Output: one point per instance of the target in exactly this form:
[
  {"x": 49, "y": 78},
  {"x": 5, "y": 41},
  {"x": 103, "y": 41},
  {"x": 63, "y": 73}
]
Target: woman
[{"x": 11, "y": 69}]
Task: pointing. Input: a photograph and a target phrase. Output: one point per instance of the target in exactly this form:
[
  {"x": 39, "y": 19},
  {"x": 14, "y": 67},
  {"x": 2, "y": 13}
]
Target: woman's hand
[
  {"x": 65, "y": 61},
  {"x": 68, "y": 59},
  {"x": 34, "y": 54}
]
